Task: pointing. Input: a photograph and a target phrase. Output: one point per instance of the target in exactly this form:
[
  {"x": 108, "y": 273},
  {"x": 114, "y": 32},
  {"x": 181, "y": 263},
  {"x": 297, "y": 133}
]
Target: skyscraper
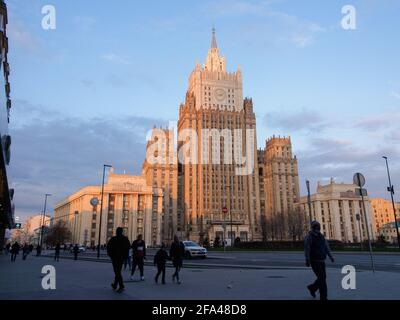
[
  {"x": 163, "y": 174},
  {"x": 218, "y": 168},
  {"x": 280, "y": 179}
]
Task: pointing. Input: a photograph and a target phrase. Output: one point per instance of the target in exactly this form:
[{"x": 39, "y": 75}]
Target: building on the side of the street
[
  {"x": 221, "y": 169},
  {"x": 160, "y": 169},
  {"x": 35, "y": 222},
  {"x": 129, "y": 202},
  {"x": 388, "y": 231},
  {"x": 336, "y": 206},
  {"x": 30, "y": 231},
  {"x": 279, "y": 183},
  {"x": 383, "y": 212},
  {"x": 6, "y": 195}
]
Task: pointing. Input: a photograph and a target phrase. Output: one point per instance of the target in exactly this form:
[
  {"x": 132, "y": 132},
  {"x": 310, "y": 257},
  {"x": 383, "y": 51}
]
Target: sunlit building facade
[
  {"x": 279, "y": 182},
  {"x": 383, "y": 212},
  {"x": 336, "y": 206},
  {"x": 221, "y": 169},
  {"x": 129, "y": 202},
  {"x": 162, "y": 174}
]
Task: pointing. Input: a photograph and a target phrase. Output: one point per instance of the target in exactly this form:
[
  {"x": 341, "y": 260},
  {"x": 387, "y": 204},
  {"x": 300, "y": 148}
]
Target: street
[
  {"x": 242, "y": 275},
  {"x": 253, "y": 259}
]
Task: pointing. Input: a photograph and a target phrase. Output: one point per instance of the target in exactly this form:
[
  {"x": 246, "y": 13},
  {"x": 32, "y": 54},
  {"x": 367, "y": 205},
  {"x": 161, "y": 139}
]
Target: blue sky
[{"x": 87, "y": 92}]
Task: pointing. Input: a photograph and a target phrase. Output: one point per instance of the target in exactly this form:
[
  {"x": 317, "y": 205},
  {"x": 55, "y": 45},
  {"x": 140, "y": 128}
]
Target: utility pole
[
  {"x": 391, "y": 190},
  {"x": 43, "y": 218},
  {"x": 101, "y": 208}
]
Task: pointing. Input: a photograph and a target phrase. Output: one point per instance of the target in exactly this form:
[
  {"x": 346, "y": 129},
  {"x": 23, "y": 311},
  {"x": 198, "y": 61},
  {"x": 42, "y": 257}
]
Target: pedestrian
[
  {"x": 25, "y": 251},
  {"x": 38, "y": 250},
  {"x": 316, "y": 248},
  {"x": 8, "y": 248},
  {"x": 160, "y": 260},
  {"x": 177, "y": 252},
  {"x": 128, "y": 260},
  {"x": 30, "y": 248},
  {"x": 118, "y": 250},
  {"x": 75, "y": 251},
  {"x": 139, "y": 255},
  {"x": 15, "y": 250},
  {"x": 57, "y": 252}
]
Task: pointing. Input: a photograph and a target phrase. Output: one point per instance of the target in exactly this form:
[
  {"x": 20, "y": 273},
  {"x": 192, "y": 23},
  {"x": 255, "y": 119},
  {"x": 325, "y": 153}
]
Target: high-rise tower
[
  {"x": 280, "y": 189},
  {"x": 218, "y": 156},
  {"x": 161, "y": 173}
]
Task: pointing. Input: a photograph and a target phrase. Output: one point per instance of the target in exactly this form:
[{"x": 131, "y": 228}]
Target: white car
[
  {"x": 193, "y": 249},
  {"x": 81, "y": 249}
]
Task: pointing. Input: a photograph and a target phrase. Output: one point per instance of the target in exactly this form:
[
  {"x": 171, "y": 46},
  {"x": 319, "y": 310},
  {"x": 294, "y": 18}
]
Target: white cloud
[
  {"x": 292, "y": 29},
  {"x": 115, "y": 58},
  {"x": 84, "y": 22},
  {"x": 379, "y": 121},
  {"x": 20, "y": 35},
  {"x": 302, "y": 41},
  {"x": 395, "y": 94},
  {"x": 307, "y": 120},
  {"x": 58, "y": 154}
]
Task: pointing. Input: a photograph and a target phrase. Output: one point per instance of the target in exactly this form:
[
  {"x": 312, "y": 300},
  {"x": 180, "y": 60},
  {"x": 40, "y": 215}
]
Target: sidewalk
[{"x": 90, "y": 280}]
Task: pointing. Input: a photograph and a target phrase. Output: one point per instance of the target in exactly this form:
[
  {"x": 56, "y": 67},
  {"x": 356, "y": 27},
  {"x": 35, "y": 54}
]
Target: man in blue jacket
[{"x": 316, "y": 249}]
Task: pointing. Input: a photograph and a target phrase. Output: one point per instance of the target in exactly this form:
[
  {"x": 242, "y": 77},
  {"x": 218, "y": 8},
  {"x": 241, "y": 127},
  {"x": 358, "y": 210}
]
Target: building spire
[
  {"x": 213, "y": 40},
  {"x": 214, "y": 61}
]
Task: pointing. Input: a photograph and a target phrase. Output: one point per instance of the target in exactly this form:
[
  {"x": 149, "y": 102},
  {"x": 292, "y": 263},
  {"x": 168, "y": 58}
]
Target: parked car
[
  {"x": 193, "y": 249},
  {"x": 81, "y": 249}
]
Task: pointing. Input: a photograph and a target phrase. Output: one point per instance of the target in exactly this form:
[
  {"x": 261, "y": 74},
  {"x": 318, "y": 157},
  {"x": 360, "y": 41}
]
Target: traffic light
[{"x": 17, "y": 225}]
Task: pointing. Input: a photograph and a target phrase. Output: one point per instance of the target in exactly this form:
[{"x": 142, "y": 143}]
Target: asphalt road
[
  {"x": 260, "y": 260},
  {"x": 84, "y": 280}
]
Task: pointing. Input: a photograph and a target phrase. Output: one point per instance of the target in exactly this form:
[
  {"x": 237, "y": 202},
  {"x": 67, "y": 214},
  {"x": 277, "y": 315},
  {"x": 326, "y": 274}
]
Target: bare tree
[
  {"x": 277, "y": 225},
  {"x": 297, "y": 224},
  {"x": 58, "y": 233},
  {"x": 264, "y": 228}
]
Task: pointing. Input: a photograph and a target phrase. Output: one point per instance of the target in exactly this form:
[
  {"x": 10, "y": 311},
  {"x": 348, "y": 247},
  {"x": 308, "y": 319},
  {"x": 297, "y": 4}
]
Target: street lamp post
[
  {"x": 101, "y": 207},
  {"x": 359, "y": 180},
  {"x": 230, "y": 211},
  {"x": 358, "y": 218},
  {"x": 43, "y": 218},
  {"x": 309, "y": 200},
  {"x": 75, "y": 218},
  {"x": 391, "y": 190}
]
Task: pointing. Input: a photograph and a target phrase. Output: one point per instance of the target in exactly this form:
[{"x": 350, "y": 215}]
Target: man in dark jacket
[
  {"x": 316, "y": 248},
  {"x": 177, "y": 252},
  {"x": 118, "y": 250},
  {"x": 38, "y": 250},
  {"x": 57, "y": 252},
  {"x": 25, "y": 251},
  {"x": 15, "y": 250},
  {"x": 139, "y": 255},
  {"x": 160, "y": 259},
  {"x": 8, "y": 248},
  {"x": 75, "y": 251}
]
